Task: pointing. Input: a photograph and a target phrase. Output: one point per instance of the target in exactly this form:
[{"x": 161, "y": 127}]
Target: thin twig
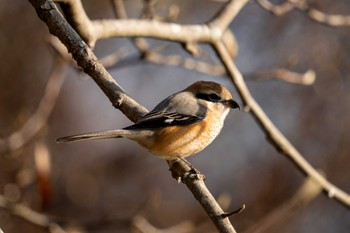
[
  {"x": 334, "y": 20},
  {"x": 30, "y": 215},
  {"x": 237, "y": 211},
  {"x": 223, "y": 19},
  {"x": 38, "y": 120},
  {"x": 119, "y": 9},
  {"x": 308, "y": 191},
  {"x": 85, "y": 58},
  {"x": 329, "y": 19},
  {"x": 172, "y": 60},
  {"x": 180, "y": 33},
  {"x": 112, "y": 59},
  {"x": 194, "y": 33},
  {"x": 277, "y": 139},
  {"x": 187, "y": 63},
  {"x": 307, "y": 78},
  {"x": 77, "y": 17},
  {"x": 194, "y": 181},
  {"x": 276, "y": 9},
  {"x": 143, "y": 226}
]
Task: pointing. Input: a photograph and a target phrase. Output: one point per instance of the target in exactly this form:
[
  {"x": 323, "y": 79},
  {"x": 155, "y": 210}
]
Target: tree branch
[
  {"x": 108, "y": 28},
  {"x": 85, "y": 58},
  {"x": 307, "y": 78},
  {"x": 314, "y": 14},
  {"x": 271, "y": 222},
  {"x": 198, "y": 33},
  {"x": 77, "y": 17},
  {"x": 277, "y": 139},
  {"x": 30, "y": 215},
  {"x": 38, "y": 120},
  {"x": 210, "y": 33},
  {"x": 195, "y": 183}
]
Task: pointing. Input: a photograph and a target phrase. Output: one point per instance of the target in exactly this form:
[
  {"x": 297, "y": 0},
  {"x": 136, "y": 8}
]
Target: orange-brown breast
[{"x": 183, "y": 141}]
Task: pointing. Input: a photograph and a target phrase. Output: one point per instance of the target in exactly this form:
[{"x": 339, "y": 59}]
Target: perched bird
[{"x": 181, "y": 125}]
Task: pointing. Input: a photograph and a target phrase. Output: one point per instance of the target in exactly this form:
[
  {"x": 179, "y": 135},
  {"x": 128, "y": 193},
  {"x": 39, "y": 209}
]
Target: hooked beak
[{"x": 231, "y": 103}]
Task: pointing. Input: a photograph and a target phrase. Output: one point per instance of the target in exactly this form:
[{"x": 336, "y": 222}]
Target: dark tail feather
[{"x": 93, "y": 136}]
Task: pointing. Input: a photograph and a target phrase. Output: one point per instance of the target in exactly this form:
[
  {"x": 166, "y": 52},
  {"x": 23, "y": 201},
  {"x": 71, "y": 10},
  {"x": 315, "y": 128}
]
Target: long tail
[{"x": 92, "y": 136}]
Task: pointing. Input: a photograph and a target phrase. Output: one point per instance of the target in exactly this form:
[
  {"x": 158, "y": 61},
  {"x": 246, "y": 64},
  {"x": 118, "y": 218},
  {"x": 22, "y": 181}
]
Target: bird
[{"x": 181, "y": 125}]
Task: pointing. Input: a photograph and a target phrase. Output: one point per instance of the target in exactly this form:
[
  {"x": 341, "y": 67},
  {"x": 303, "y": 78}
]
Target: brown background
[{"x": 101, "y": 186}]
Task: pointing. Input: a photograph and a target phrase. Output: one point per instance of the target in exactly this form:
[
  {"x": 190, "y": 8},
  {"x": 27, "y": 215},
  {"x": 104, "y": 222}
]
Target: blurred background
[{"x": 114, "y": 185}]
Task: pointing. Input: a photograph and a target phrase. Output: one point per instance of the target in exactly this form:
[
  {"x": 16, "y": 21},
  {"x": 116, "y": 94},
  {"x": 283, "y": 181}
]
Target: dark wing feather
[
  {"x": 158, "y": 120},
  {"x": 178, "y": 109}
]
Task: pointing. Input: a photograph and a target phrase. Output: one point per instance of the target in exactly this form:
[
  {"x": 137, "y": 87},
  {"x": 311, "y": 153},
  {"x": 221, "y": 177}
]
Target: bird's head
[{"x": 213, "y": 95}]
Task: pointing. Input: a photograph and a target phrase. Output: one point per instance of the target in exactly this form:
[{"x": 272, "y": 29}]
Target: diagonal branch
[
  {"x": 30, "y": 215},
  {"x": 200, "y": 33},
  {"x": 38, "y": 120},
  {"x": 75, "y": 14},
  {"x": 227, "y": 14},
  {"x": 85, "y": 58},
  {"x": 277, "y": 139},
  {"x": 272, "y": 221},
  {"x": 194, "y": 181}
]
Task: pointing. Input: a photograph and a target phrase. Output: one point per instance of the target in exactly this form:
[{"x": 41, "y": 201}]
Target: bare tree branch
[
  {"x": 276, "y": 9},
  {"x": 77, "y": 17},
  {"x": 38, "y": 120},
  {"x": 329, "y": 19},
  {"x": 30, "y": 215},
  {"x": 200, "y": 33},
  {"x": 317, "y": 15},
  {"x": 108, "y": 28},
  {"x": 226, "y": 16},
  {"x": 85, "y": 58},
  {"x": 143, "y": 226},
  {"x": 307, "y": 78},
  {"x": 271, "y": 222},
  {"x": 172, "y": 60},
  {"x": 210, "y": 33},
  {"x": 186, "y": 63},
  {"x": 195, "y": 183},
  {"x": 277, "y": 139}
]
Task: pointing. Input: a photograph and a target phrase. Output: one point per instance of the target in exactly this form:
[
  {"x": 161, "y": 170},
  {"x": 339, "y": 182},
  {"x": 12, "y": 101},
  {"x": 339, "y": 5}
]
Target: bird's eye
[
  {"x": 214, "y": 97},
  {"x": 209, "y": 97}
]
